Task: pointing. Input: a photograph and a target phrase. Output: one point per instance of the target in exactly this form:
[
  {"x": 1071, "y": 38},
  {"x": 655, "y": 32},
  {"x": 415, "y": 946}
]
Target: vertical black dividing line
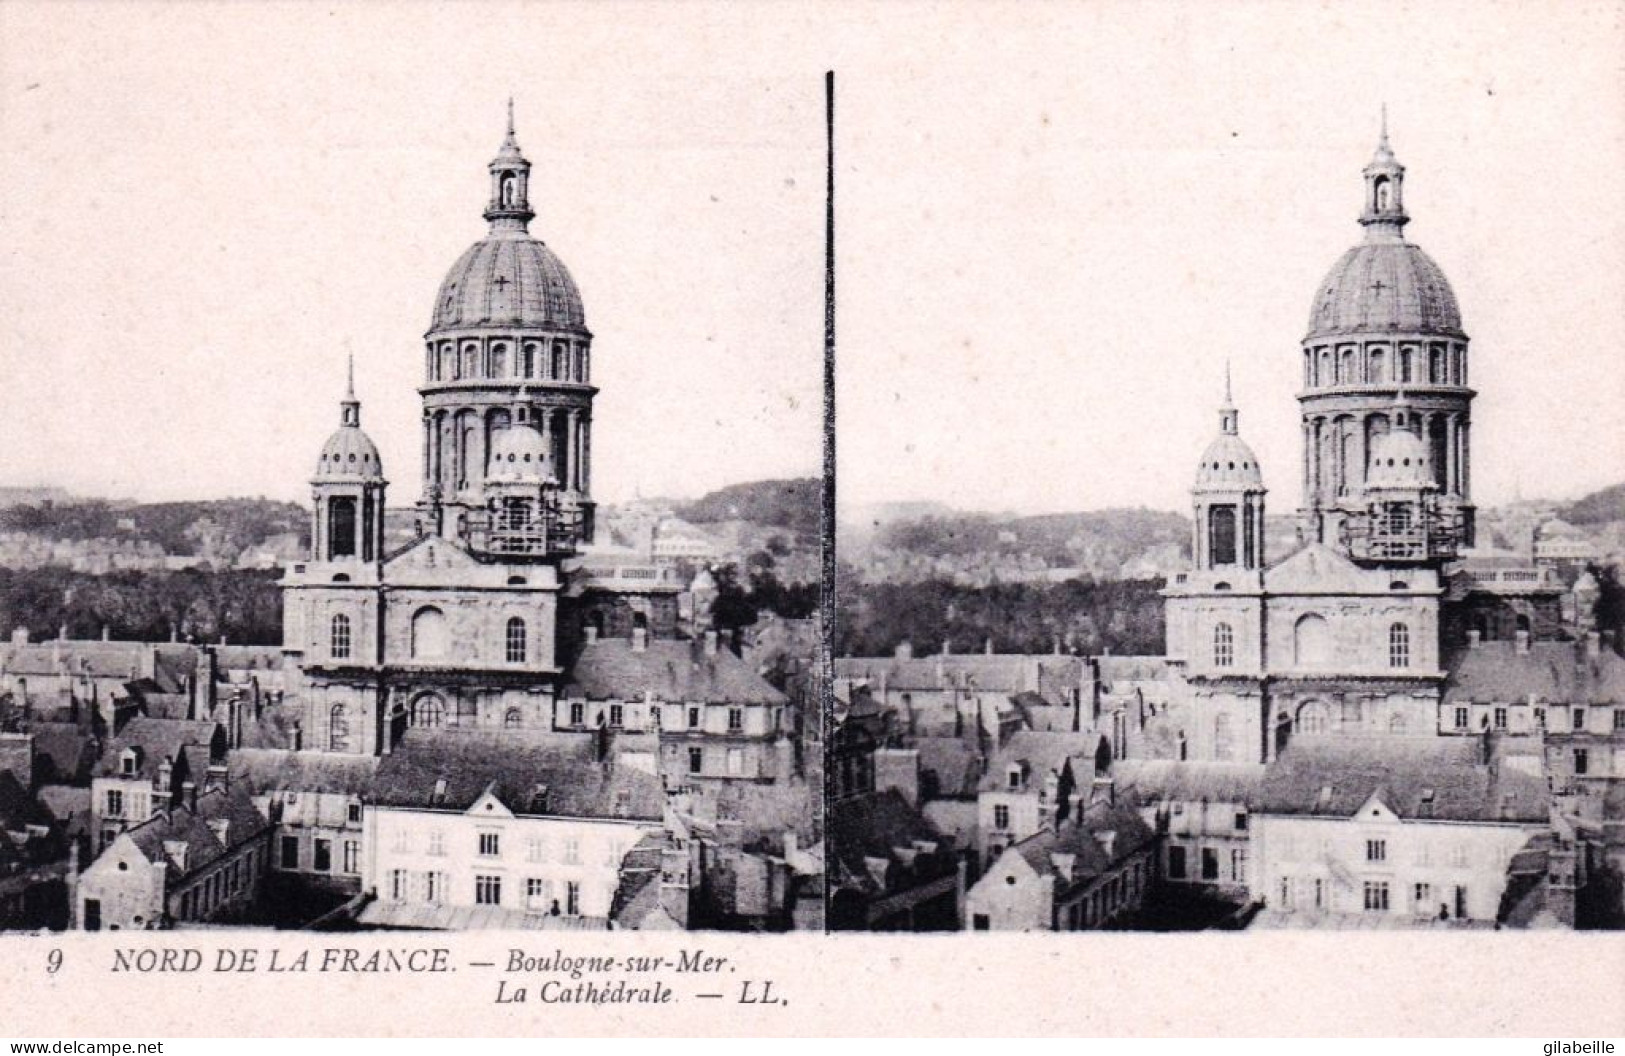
[{"x": 826, "y": 665}]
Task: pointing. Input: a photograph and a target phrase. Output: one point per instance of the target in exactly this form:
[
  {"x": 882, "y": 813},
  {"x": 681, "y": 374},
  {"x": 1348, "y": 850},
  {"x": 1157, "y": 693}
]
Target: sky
[
  {"x": 1057, "y": 226},
  {"x": 1057, "y": 223},
  {"x": 208, "y": 208}
]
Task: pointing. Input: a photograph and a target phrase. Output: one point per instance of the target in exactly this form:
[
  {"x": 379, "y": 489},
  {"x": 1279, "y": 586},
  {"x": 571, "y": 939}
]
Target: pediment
[
  {"x": 489, "y": 806},
  {"x": 1375, "y": 810},
  {"x": 1319, "y": 569},
  {"x": 430, "y": 555}
]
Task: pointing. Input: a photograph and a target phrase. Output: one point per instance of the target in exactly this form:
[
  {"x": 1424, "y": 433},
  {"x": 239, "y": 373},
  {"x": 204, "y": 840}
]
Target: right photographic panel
[{"x": 1230, "y": 505}]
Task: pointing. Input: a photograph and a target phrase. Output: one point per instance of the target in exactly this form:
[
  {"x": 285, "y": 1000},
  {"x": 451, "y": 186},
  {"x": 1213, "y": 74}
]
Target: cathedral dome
[
  {"x": 1229, "y": 464},
  {"x": 1384, "y": 285},
  {"x": 508, "y": 279},
  {"x": 349, "y": 453},
  {"x": 1399, "y": 459},
  {"x": 519, "y": 452}
]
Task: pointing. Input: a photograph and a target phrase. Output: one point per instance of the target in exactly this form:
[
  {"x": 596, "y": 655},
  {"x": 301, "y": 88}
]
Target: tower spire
[
  {"x": 509, "y": 208},
  {"x": 1227, "y": 410},
  {"x": 350, "y": 407},
  {"x": 1384, "y": 216}
]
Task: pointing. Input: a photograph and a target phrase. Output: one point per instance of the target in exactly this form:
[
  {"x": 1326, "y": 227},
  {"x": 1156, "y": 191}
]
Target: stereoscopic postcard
[{"x": 1087, "y": 518}]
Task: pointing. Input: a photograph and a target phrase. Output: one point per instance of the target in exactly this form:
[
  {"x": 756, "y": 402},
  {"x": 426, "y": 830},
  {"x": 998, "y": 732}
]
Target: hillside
[
  {"x": 791, "y": 504},
  {"x": 1600, "y": 507}
]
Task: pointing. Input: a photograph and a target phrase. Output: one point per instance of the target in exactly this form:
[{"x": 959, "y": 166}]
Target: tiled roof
[
  {"x": 64, "y": 753},
  {"x": 954, "y": 761},
  {"x": 1153, "y": 780},
  {"x": 262, "y": 770},
  {"x": 1418, "y": 778},
  {"x": 1551, "y": 672},
  {"x": 1038, "y": 754},
  {"x": 190, "y": 827},
  {"x": 873, "y": 827},
  {"x": 638, "y": 894},
  {"x": 1084, "y": 840},
  {"x": 611, "y": 669},
  {"x": 469, "y": 762},
  {"x": 18, "y": 808},
  {"x": 157, "y": 739},
  {"x": 97, "y": 659}
]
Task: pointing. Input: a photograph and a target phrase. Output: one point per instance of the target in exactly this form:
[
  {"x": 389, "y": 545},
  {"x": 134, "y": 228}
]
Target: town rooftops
[
  {"x": 1156, "y": 780},
  {"x": 186, "y": 838},
  {"x": 955, "y": 764},
  {"x": 1036, "y": 755},
  {"x": 1418, "y": 778},
  {"x": 265, "y": 770},
  {"x": 452, "y": 769},
  {"x": 1052, "y": 676},
  {"x": 153, "y": 741},
  {"x": 883, "y": 830},
  {"x": 1547, "y": 672},
  {"x": 666, "y": 670},
  {"x": 1079, "y": 851},
  {"x": 19, "y": 809},
  {"x": 64, "y": 753}
]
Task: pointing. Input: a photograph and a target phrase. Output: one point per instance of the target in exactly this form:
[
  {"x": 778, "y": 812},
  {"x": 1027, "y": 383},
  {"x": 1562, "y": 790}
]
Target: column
[
  {"x": 428, "y": 450},
  {"x": 544, "y": 420},
  {"x": 586, "y": 453},
  {"x": 1362, "y": 426},
  {"x": 1452, "y": 484},
  {"x": 1308, "y": 460},
  {"x": 572, "y": 451}
]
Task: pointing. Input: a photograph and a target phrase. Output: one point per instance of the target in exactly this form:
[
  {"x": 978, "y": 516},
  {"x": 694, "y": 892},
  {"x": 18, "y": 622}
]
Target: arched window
[
  {"x": 1405, "y": 366},
  {"x": 1436, "y": 366},
  {"x": 1375, "y": 366},
  {"x": 428, "y": 712},
  {"x": 558, "y": 365},
  {"x": 499, "y": 361},
  {"x": 511, "y": 719},
  {"x": 509, "y": 189},
  {"x": 1382, "y": 189},
  {"x": 528, "y": 362},
  {"x": 341, "y": 527},
  {"x": 1224, "y": 646},
  {"x": 1312, "y": 642},
  {"x": 1221, "y": 536},
  {"x": 338, "y": 729},
  {"x": 1313, "y": 717},
  {"x": 516, "y": 641},
  {"x": 428, "y": 634},
  {"x": 1345, "y": 367},
  {"x": 471, "y": 357},
  {"x": 1224, "y": 747},
  {"x": 339, "y": 637},
  {"x": 1399, "y": 645}
]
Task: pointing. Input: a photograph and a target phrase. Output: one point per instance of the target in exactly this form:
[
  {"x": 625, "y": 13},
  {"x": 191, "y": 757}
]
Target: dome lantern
[
  {"x": 1384, "y": 216},
  {"x": 509, "y": 207}
]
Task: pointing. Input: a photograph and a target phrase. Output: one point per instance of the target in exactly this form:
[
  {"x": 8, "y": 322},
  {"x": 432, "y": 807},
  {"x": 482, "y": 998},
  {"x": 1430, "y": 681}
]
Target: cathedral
[
  {"x": 470, "y": 623},
  {"x": 1345, "y": 634}
]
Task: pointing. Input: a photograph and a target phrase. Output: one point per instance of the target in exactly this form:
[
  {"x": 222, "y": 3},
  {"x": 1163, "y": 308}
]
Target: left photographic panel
[{"x": 411, "y": 507}]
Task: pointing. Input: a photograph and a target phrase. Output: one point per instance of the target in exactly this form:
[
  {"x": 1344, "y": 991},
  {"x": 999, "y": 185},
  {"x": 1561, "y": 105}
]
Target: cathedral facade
[
  {"x": 1344, "y": 635},
  {"x": 469, "y": 624}
]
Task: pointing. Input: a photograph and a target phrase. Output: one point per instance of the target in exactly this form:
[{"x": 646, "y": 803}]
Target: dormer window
[
  {"x": 128, "y": 762},
  {"x": 1014, "y": 777}
]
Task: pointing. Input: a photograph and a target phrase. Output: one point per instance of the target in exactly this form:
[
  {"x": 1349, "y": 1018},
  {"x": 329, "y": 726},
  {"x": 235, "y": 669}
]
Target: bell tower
[
  {"x": 347, "y": 522},
  {"x": 1228, "y": 499}
]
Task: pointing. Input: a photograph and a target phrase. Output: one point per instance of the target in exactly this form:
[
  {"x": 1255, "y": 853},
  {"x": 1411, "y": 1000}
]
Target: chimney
[
  {"x": 189, "y": 795},
  {"x": 1473, "y": 638},
  {"x": 1522, "y": 638},
  {"x": 988, "y": 648},
  {"x": 19, "y": 636},
  {"x": 217, "y": 776},
  {"x": 62, "y": 633},
  {"x": 592, "y": 634},
  {"x": 711, "y": 643},
  {"x": 166, "y": 782},
  {"x": 1593, "y": 645},
  {"x": 107, "y": 633},
  {"x": 947, "y": 647},
  {"x": 221, "y": 827},
  {"x": 640, "y": 639},
  {"x": 904, "y": 651},
  {"x": 1107, "y": 840}
]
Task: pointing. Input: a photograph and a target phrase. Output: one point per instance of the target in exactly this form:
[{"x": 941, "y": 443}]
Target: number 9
[{"x": 53, "y": 963}]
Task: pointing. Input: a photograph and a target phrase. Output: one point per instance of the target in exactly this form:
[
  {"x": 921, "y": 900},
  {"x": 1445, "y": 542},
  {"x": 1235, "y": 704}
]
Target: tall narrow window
[
  {"x": 1224, "y": 646},
  {"x": 341, "y": 527},
  {"x": 1399, "y": 645},
  {"x": 338, "y": 729},
  {"x": 516, "y": 641},
  {"x": 340, "y": 637},
  {"x": 1221, "y": 536}
]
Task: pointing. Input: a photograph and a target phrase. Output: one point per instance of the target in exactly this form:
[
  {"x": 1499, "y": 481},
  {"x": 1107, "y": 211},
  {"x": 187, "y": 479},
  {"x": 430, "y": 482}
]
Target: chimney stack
[
  {"x": 1474, "y": 637},
  {"x": 1522, "y": 638},
  {"x": 1593, "y": 644},
  {"x": 640, "y": 639},
  {"x": 189, "y": 794},
  {"x": 711, "y": 643},
  {"x": 591, "y": 634}
]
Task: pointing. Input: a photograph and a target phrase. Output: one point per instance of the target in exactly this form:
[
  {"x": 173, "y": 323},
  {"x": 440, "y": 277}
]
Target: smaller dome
[
  {"x": 1399, "y": 459},
  {"x": 1229, "y": 464},
  {"x": 349, "y": 454},
  {"x": 519, "y": 453}
]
